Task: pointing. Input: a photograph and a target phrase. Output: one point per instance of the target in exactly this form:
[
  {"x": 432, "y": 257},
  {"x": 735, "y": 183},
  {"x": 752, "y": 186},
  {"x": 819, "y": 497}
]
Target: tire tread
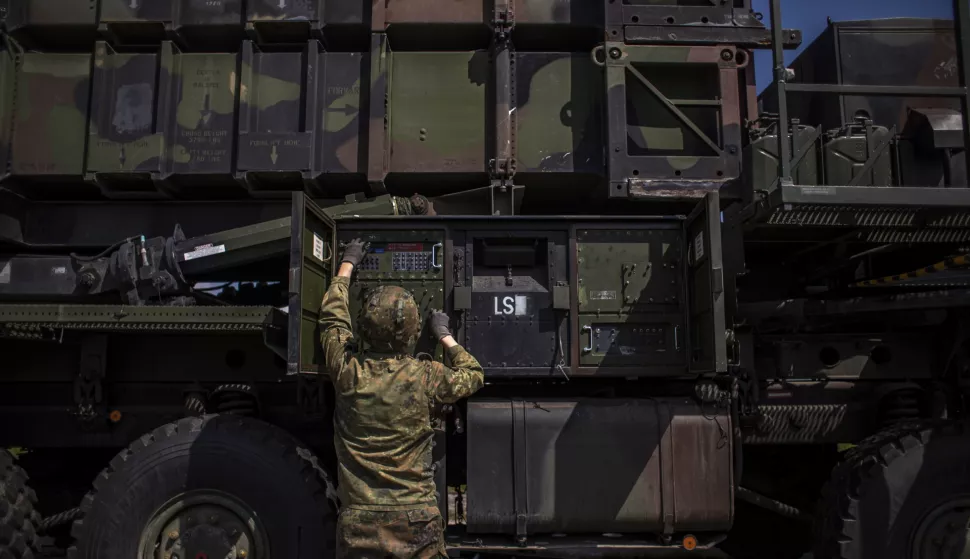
[
  {"x": 318, "y": 483},
  {"x": 836, "y": 526},
  {"x": 19, "y": 518}
]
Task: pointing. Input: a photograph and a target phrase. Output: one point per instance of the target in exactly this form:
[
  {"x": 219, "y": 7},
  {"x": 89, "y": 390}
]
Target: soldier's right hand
[
  {"x": 439, "y": 325},
  {"x": 355, "y": 252}
]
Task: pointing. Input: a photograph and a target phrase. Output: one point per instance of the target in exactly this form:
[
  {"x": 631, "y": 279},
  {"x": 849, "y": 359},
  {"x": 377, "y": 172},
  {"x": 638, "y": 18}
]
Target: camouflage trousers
[{"x": 399, "y": 534}]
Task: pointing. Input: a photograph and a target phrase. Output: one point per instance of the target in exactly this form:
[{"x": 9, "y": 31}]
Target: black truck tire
[
  {"x": 903, "y": 493},
  {"x": 18, "y": 518},
  {"x": 226, "y": 484}
]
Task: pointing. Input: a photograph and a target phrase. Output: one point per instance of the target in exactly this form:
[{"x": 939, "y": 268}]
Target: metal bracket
[
  {"x": 506, "y": 198},
  {"x": 310, "y": 395},
  {"x": 88, "y": 388},
  {"x": 503, "y": 17},
  {"x": 873, "y": 153},
  {"x": 520, "y": 471}
]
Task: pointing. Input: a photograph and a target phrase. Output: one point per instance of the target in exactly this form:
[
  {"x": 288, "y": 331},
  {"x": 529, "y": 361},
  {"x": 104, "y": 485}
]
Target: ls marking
[{"x": 517, "y": 305}]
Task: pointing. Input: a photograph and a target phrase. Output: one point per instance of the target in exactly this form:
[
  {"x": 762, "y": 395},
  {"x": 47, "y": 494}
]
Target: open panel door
[
  {"x": 311, "y": 267},
  {"x": 705, "y": 289}
]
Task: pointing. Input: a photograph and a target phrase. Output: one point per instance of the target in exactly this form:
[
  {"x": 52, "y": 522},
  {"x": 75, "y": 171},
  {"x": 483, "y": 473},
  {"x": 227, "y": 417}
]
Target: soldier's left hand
[{"x": 355, "y": 252}]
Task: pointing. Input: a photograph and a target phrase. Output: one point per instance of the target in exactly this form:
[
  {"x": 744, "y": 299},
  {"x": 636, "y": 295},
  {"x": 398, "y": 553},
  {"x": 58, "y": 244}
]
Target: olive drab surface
[
  {"x": 698, "y": 314},
  {"x": 237, "y": 99}
]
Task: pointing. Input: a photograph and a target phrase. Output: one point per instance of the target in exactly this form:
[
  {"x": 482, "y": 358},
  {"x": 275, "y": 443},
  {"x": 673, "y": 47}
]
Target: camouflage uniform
[{"x": 382, "y": 421}]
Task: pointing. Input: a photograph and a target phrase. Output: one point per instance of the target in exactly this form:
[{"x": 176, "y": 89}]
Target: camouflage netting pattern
[{"x": 390, "y": 320}]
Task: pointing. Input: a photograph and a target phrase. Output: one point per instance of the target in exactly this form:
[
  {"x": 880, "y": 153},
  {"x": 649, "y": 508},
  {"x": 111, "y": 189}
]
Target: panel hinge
[
  {"x": 502, "y": 169},
  {"x": 506, "y": 198},
  {"x": 88, "y": 387}
]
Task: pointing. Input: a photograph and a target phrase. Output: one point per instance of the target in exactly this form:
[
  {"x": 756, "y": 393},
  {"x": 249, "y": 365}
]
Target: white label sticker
[
  {"x": 318, "y": 247},
  {"x": 602, "y": 295},
  {"x": 699, "y": 246},
  {"x": 517, "y": 305},
  {"x": 203, "y": 251},
  {"x": 817, "y": 190}
]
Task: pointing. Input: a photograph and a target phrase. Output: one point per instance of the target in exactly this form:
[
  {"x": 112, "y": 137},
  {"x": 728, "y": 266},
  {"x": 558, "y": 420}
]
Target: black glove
[
  {"x": 439, "y": 325},
  {"x": 355, "y": 252}
]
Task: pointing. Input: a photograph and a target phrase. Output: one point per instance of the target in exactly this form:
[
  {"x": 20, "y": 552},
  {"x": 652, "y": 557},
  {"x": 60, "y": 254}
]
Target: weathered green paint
[
  {"x": 437, "y": 111},
  {"x": 23, "y": 14},
  {"x": 628, "y": 271},
  {"x": 8, "y": 71},
  {"x": 558, "y": 12},
  {"x": 298, "y": 111},
  {"x": 558, "y": 105},
  {"x": 123, "y": 137},
  {"x": 117, "y": 11},
  {"x": 203, "y": 135},
  {"x": 50, "y": 123}
]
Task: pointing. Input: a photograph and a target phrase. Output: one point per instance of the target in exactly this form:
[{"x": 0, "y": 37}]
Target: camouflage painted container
[
  {"x": 435, "y": 124},
  {"x": 8, "y": 90},
  {"x": 195, "y": 23},
  {"x": 52, "y": 23},
  {"x": 702, "y": 22},
  {"x": 299, "y": 119},
  {"x": 50, "y": 117},
  {"x": 126, "y": 145},
  {"x": 201, "y": 129},
  {"x": 558, "y": 108},
  {"x": 284, "y": 20},
  {"x": 471, "y": 23},
  {"x": 674, "y": 118}
]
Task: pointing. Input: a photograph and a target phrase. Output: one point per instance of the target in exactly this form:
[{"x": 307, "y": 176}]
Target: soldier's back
[{"x": 383, "y": 432}]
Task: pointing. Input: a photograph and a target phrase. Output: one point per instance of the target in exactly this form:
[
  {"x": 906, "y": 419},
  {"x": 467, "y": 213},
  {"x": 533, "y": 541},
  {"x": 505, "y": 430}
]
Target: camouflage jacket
[{"x": 382, "y": 421}]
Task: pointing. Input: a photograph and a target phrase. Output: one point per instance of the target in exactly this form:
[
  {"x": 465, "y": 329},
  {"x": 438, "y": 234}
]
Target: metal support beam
[
  {"x": 961, "y": 16},
  {"x": 781, "y": 81},
  {"x": 877, "y": 90}
]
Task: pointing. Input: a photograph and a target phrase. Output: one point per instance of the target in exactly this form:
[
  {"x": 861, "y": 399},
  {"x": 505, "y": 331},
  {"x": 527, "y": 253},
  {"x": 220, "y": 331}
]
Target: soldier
[{"x": 382, "y": 421}]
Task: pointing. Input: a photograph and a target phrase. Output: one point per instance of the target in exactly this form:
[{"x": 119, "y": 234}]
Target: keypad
[{"x": 411, "y": 261}]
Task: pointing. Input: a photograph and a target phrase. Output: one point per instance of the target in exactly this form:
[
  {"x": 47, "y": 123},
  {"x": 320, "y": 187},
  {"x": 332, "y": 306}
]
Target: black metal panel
[
  {"x": 687, "y": 21},
  {"x": 514, "y": 344},
  {"x": 705, "y": 280},
  {"x": 658, "y": 465},
  {"x": 95, "y": 224},
  {"x": 29, "y": 276},
  {"x": 312, "y": 261}
]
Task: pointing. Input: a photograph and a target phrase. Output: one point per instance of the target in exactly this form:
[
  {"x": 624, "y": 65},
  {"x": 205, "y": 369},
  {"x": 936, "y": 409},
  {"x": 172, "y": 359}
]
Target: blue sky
[{"x": 810, "y": 15}]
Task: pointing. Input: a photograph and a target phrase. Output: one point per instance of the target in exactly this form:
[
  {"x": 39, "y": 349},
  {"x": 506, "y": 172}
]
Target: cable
[{"x": 106, "y": 251}]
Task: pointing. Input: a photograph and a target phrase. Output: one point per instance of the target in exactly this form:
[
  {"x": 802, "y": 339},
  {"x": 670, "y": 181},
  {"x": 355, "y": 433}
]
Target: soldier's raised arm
[
  {"x": 450, "y": 384},
  {"x": 336, "y": 330}
]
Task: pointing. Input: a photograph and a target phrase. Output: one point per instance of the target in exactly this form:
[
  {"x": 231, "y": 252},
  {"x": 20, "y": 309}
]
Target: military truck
[{"x": 706, "y": 319}]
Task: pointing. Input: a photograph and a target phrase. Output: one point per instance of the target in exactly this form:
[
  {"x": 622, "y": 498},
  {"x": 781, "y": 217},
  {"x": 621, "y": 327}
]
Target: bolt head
[{"x": 615, "y": 53}]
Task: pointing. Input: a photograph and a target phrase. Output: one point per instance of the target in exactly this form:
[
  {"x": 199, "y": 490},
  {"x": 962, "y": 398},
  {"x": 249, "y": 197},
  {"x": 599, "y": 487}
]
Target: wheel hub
[
  {"x": 203, "y": 525},
  {"x": 944, "y": 532}
]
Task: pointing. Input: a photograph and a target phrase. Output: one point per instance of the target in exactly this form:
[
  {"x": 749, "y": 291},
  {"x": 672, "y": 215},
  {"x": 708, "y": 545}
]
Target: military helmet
[{"x": 390, "y": 320}]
